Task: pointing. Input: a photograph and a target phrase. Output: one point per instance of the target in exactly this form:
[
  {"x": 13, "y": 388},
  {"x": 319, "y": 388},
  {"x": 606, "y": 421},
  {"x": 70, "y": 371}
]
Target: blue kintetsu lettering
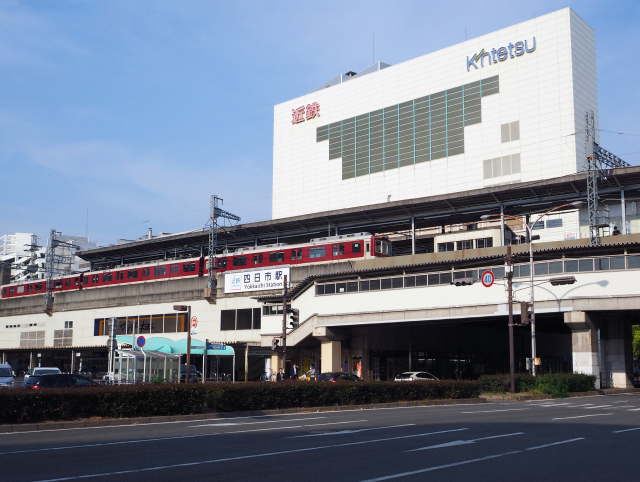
[{"x": 500, "y": 54}]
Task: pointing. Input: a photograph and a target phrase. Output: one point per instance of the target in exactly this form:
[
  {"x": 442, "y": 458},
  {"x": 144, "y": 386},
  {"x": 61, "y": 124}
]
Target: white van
[{"x": 7, "y": 376}]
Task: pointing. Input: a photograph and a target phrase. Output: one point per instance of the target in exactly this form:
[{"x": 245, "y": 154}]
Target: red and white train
[{"x": 319, "y": 250}]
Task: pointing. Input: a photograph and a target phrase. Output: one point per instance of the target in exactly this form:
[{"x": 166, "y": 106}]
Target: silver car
[
  {"x": 415, "y": 377},
  {"x": 7, "y": 376}
]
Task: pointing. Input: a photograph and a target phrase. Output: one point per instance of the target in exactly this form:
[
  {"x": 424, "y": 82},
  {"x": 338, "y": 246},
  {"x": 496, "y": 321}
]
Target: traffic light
[
  {"x": 275, "y": 343},
  {"x": 294, "y": 316}
]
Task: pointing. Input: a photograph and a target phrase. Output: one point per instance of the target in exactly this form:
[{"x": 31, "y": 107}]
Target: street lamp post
[
  {"x": 186, "y": 308},
  {"x": 529, "y": 226}
]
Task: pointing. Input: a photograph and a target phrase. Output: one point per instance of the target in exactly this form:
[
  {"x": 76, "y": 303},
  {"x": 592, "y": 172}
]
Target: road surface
[{"x": 593, "y": 438}]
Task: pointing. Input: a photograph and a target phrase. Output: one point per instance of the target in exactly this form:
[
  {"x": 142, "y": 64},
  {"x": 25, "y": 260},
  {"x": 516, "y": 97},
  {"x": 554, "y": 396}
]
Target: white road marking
[
  {"x": 598, "y": 406},
  {"x": 457, "y": 443},
  {"x": 160, "y": 439},
  {"x": 440, "y": 467},
  {"x": 552, "y": 404},
  {"x": 230, "y": 424},
  {"x": 245, "y": 457},
  {"x": 625, "y": 406},
  {"x": 498, "y": 410},
  {"x": 345, "y": 432},
  {"x": 555, "y": 443},
  {"x": 626, "y": 430},
  {"x": 583, "y": 405},
  {"x": 634, "y": 409},
  {"x": 583, "y": 416}
]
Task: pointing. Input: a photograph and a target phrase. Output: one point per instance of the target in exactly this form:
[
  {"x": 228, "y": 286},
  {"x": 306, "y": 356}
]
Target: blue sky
[{"x": 137, "y": 110}]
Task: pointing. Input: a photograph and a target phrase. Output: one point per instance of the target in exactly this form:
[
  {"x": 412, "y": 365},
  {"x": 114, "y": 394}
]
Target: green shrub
[
  {"x": 25, "y": 405},
  {"x": 556, "y": 384}
]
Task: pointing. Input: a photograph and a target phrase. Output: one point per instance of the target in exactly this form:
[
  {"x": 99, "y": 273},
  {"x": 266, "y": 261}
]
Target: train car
[{"x": 318, "y": 250}]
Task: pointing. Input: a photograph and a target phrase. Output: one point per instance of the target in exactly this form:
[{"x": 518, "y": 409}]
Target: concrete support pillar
[
  {"x": 616, "y": 347},
  {"x": 330, "y": 356},
  {"x": 585, "y": 344},
  {"x": 276, "y": 364}
]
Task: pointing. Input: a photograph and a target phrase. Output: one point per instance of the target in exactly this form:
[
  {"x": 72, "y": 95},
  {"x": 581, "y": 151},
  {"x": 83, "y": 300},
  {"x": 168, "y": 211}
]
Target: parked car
[
  {"x": 415, "y": 377},
  {"x": 195, "y": 375},
  {"x": 334, "y": 377},
  {"x": 63, "y": 380},
  {"x": 7, "y": 376}
]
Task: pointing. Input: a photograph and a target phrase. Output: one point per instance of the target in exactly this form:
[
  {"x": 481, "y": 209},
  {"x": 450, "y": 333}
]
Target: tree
[{"x": 636, "y": 341}]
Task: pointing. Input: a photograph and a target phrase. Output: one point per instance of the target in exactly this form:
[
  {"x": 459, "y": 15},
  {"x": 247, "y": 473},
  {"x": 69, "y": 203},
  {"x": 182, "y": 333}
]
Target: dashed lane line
[
  {"x": 346, "y": 432},
  {"x": 231, "y": 424},
  {"x": 457, "y": 443},
  {"x": 626, "y": 430},
  {"x": 552, "y": 444},
  {"x": 498, "y": 410},
  {"x": 583, "y": 416}
]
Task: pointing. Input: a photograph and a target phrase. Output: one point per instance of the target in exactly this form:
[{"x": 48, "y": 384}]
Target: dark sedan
[
  {"x": 338, "y": 377},
  {"x": 58, "y": 381}
]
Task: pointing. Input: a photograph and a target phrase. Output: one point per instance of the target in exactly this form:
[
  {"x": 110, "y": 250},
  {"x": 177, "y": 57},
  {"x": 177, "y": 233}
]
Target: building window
[
  {"x": 510, "y": 131},
  {"x": 318, "y": 252},
  {"x": 419, "y": 130},
  {"x": 68, "y": 324},
  {"x": 32, "y": 339},
  {"x": 442, "y": 247},
  {"x": 241, "y": 319},
  {"x": 464, "y": 244},
  {"x": 296, "y": 254},
  {"x": 484, "y": 243},
  {"x": 554, "y": 223},
  {"x": 270, "y": 310},
  {"x": 501, "y": 166},
  {"x": 538, "y": 225},
  {"x": 62, "y": 337}
]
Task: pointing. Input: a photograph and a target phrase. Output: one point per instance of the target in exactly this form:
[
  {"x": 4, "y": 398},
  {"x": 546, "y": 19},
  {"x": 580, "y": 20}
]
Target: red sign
[
  {"x": 487, "y": 278},
  {"x": 194, "y": 322},
  {"x": 302, "y": 113}
]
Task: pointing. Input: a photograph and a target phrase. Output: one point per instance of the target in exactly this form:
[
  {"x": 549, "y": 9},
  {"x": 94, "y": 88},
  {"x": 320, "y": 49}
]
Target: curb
[{"x": 88, "y": 423}]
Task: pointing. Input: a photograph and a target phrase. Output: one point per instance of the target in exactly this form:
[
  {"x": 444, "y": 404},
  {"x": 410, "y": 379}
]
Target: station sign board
[{"x": 255, "y": 280}]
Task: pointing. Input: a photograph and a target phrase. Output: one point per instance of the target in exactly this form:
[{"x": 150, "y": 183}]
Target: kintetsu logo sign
[
  {"x": 305, "y": 112},
  {"x": 500, "y": 54}
]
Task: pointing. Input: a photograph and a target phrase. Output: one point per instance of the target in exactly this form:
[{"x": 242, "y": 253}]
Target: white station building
[{"x": 414, "y": 154}]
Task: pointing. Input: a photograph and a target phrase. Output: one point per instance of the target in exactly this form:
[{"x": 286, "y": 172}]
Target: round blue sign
[{"x": 140, "y": 341}]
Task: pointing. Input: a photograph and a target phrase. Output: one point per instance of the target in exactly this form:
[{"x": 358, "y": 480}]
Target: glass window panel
[
  {"x": 329, "y": 289},
  {"x": 228, "y": 320},
  {"x": 352, "y": 286},
  {"x": 506, "y": 165},
  {"x": 524, "y": 270},
  {"x": 170, "y": 322},
  {"x": 385, "y": 283},
  {"x": 341, "y": 287},
  {"x": 257, "y": 319},
  {"x": 409, "y": 281},
  {"x": 555, "y": 267},
  {"x": 633, "y": 262},
  {"x": 374, "y": 284},
  {"x": 554, "y": 223},
  {"x": 497, "y": 167},
  {"x": 144, "y": 325},
  {"x": 585, "y": 265},
  {"x": 515, "y": 130},
  {"x": 601, "y": 264},
  {"x": 318, "y": 252},
  {"x": 541, "y": 268},
  {"x": 364, "y": 285},
  {"x": 445, "y": 278},
  {"x": 571, "y": 266},
  {"x": 397, "y": 282},
  {"x": 319, "y": 289},
  {"x": 422, "y": 280},
  {"x": 157, "y": 323},
  {"x": 498, "y": 273},
  {"x": 515, "y": 163},
  {"x": 616, "y": 262},
  {"x": 487, "y": 168},
  {"x": 504, "y": 133},
  {"x": 244, "y": 319}
]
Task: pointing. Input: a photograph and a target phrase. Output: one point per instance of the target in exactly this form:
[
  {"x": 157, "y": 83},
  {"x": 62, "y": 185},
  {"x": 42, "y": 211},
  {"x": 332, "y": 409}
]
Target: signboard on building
[{"x": 255, "y": 280}]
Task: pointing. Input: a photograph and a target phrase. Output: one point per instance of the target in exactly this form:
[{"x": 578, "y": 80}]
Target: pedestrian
[
  {"x": 311, "y": 374},
  {"x": 279, "y": 376},
  {"x": 294, "y": 371}
]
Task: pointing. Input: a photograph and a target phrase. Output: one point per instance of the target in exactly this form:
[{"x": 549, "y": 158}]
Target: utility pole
[
  {"x": 284, "y": 324},
  {"x": 509, "y": 272}
]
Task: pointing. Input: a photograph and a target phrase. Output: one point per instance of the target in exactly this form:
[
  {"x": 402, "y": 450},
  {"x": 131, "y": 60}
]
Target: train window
[
  {"x": 132, "y": 274},
  {"x": 356, "y": 247},
  {"x": 276, "y": 258},
  {"x": 58, "y": 283},
  {"x": 296, "y": 253},
  {"x": 11, "y": 291},
  {"x": 189, "y": 267},
  {"x": 146, "y": 271},
  {"x": 239, "y": 260},
  {"x": 67, "y": 283},
  {"x": 159, "y": 271},
  {"x": 107, "y": 277},
  {"x": 221, "y": 263},
  {"x": 95, "y": 278},
  {"x": 29, "y": 288},
  {"x": 38, "y": 286},
  {"x": 318, "y": 252},
  {"x": 257, "y": 258},
  {"x": 4, "y": 291},
  {"x": 338, "y": 249},
  {"x": 174, "y": 268},
  {"x": 120, "y": 275}
]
